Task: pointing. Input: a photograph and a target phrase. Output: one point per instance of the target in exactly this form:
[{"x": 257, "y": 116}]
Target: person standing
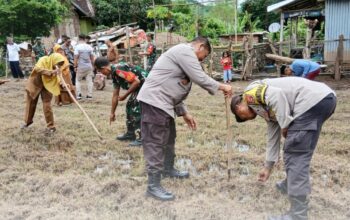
[
  {"x": 151, "y": 52},
  {"x": 226, "y": 63},
  {"x": 13, "y": 57},
  {"x": 69, "y": 51},
  {"x": 39, "y": 49},
  {"x": 44, "y": 82},
  {"x": 296, "y": 109},
  {"x": 112, "y": 52},
  {"x": 64, "y": 98},
  {"x": 302, "y": 68},
  {"x": 27, "y": 60},
  {"x": 161, "y": 98},
  {"x": 83, "y": 66}
]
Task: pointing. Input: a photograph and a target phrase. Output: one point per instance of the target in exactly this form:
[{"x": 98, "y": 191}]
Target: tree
[
  {"x": 211, "y": 27},
  {"x": 224, "y": 12},
  {"x": 31, "y": 18},
  {"x": 118, "y": 12},
  {"x": 258, "y": 10}
]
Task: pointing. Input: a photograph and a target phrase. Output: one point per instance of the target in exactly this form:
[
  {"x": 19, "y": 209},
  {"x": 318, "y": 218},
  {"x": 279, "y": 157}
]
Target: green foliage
[
  {"x": 185, "y": 24},
  {"x": 30, "y": 17},
  {"x": 114, "y": 12},
  {"x": 212, "y": 28},
  {"x": 159, "y": 12},
  {"x": 257, "y": 9},
  {"x": 214, "y": 20},
  {"x": 225, "y": 13},
  {"x": 245, "y": 23}
]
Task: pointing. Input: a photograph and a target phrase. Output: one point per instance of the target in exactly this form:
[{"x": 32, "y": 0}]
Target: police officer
[{"x": 296, "y": 108}]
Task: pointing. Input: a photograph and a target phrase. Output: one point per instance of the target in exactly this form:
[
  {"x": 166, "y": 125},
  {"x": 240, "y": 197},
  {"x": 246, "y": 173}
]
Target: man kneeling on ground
[
  {"x": 129, "y": 78},
  {"x": 296, "y": 108}
]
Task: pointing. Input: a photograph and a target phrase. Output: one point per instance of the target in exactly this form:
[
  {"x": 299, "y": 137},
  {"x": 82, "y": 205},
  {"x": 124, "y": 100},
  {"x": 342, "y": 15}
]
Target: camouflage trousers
[
  {"x": 133, "y": 113},
  {"x": 150, "y": 63}
]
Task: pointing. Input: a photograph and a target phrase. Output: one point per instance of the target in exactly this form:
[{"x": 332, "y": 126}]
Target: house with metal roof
[
  {"x": 79, "y": 21},
  {"x": 335, "y": 15}
]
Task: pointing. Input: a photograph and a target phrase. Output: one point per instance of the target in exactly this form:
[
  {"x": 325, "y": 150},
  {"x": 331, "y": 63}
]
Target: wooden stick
[
  {"x": 6, "y": 65},
  {"x": 282, "y": 59},
  {"x": 229, "y": 137},
  {"x": 4, "y": 81},
  {"x": 81, "y": 108}
]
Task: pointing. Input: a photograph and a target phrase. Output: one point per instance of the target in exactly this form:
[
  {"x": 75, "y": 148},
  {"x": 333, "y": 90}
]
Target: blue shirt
[{"x": 303, "y": 67}]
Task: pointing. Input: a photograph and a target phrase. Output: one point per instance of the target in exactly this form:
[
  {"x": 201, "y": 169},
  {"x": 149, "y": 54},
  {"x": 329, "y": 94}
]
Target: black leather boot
[
  {"x": 170, "y": 171},
  {"x": 298, "y": 209},
  {"x": 155, "y": 190},
  {"x": 128, "y": 136},
  {"x": 282, "y": 186}
]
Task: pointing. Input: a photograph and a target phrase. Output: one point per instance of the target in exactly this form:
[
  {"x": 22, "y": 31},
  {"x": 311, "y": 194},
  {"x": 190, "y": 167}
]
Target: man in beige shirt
[
  {"x": 161, "y": 98},
  {"x": 295, "y": 108}
]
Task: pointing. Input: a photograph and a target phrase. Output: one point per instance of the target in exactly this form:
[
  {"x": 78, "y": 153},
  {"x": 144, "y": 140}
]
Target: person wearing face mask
[{"x": 161, "y": 98}]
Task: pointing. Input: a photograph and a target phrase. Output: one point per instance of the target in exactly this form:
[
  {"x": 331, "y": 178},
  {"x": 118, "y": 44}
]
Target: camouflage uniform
[
  {"x": 133, "y": 109},
  {"x": 39, "y": 51},
  {"x": 151, "y": 58}
]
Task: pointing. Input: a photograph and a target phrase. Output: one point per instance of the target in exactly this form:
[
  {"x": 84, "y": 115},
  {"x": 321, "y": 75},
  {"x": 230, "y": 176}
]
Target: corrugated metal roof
[
  {"x": 337, "y": 23},
  {"x": 295, "y": 5},
  {"x": 279, "y": 5},
  {"x": 85, "y": 7}
]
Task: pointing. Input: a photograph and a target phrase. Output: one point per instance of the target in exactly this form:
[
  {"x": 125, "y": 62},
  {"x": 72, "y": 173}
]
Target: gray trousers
[
  {"x": 158, "y": 134},
  {"x": 300, "y": 143}
]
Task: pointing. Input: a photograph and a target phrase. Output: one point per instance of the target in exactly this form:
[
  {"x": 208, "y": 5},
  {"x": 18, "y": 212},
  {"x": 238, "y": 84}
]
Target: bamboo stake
[
  {"x": 229, "y": 137},
  {"x": 77, "y": 103},
  {"x": 6, "y": 65}
]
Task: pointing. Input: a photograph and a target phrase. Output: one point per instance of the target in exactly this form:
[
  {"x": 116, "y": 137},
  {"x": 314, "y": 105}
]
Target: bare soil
[{"x": 72, "y": 175}]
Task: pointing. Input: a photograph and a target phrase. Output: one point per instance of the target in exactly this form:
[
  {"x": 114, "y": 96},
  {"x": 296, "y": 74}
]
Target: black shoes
[
  {"x": 174, "y": 173},
  {"x": 155, "y": 190},
  {"x": 128, "y": 136}
]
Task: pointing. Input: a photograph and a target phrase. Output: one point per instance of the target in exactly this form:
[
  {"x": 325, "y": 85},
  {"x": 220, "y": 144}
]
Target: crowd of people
[{"x": 294, "y": 107}]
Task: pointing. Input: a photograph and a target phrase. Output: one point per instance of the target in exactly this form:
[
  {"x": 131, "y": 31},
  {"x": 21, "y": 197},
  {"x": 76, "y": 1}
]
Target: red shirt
[{"x": 226, "y": 63}]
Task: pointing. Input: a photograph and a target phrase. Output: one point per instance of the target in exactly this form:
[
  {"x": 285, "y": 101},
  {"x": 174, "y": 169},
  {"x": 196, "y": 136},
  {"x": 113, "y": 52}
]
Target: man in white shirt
[
  {"x": 83, "y": 60},
  {"x": 13, "y": 56}
]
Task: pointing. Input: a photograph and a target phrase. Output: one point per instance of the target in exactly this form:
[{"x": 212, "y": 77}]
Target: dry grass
[{"x": 71, "y": 175}]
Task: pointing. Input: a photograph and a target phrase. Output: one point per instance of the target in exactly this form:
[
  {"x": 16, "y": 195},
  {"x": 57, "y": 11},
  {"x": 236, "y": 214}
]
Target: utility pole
[
  {"x": 236, "y": 3},
  {"x": 197, "y": 25},
  {"x": 155, "y": 21},
  {"x": 128, "y": 41}
]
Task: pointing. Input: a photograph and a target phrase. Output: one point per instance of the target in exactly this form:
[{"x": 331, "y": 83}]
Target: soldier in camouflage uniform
[
  {"x": 151, "y": 52},
  {"x": 39, "y": 49},
  {"x": 129, "y": 78}
]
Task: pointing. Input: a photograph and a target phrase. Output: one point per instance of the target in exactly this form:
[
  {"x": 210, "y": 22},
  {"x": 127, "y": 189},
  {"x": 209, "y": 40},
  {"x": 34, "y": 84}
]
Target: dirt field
[{"x": 71, "y": 175}]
